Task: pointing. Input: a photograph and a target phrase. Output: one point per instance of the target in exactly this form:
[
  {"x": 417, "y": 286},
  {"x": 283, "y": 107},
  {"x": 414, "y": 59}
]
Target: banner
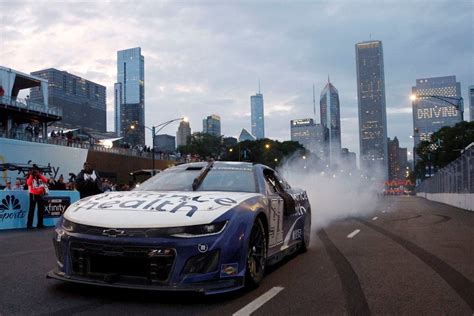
[{"x": 14, "y": 206}]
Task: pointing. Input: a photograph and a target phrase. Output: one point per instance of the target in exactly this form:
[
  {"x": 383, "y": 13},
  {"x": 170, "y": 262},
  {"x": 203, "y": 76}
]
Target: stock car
[{"x": 204, "y": 227}]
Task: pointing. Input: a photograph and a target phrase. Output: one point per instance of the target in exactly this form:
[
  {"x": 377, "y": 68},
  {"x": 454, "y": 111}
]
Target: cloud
[{"x": 205, "y": 58}]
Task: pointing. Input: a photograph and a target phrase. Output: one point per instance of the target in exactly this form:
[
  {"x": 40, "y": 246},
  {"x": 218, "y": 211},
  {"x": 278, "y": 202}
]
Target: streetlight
[
  {"x": 267, "y": 146},
  {"x": 154, "y": 131}
]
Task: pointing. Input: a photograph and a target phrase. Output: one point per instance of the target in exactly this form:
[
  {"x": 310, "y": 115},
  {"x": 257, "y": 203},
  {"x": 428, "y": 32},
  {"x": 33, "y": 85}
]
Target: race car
[{"x": 205, "y": 227}]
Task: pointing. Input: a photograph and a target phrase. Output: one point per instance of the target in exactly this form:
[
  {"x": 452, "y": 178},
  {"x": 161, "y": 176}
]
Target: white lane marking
[
  {"x": 355, "y": 232},
  {"x": 258, "y": 302},
  {"x": 375, "y": 218}
]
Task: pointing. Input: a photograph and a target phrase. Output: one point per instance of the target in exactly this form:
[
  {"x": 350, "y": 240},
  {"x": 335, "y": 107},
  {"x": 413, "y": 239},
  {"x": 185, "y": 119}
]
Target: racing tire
[
  {"x": 306, "y": 232},
  {"x": 256, "y": 255}
]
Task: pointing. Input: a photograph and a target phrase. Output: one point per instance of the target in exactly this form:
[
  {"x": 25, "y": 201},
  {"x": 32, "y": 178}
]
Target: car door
[{"x": 275, "y": 216}]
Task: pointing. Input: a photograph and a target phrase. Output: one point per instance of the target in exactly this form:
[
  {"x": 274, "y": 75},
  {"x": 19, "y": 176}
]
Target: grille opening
[{"x": 124, "y": 264}]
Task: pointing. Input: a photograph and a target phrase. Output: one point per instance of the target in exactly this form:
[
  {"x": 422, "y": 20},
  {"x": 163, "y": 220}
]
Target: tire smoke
[{"x": 335, "y": 193}]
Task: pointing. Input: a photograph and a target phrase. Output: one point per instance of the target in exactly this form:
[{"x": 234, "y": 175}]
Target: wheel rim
[{"x": 256, "y": 252}]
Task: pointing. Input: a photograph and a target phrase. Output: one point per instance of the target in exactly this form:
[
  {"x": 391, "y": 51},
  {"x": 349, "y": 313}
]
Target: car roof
[{"x": 218, "y": 164}]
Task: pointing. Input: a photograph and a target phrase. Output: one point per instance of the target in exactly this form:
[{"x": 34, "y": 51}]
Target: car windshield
[{"x": 217, "y": 179}]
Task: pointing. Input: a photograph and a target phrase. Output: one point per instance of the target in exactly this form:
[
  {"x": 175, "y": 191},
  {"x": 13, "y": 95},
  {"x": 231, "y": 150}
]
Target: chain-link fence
[{"x": 456, "y": 177}]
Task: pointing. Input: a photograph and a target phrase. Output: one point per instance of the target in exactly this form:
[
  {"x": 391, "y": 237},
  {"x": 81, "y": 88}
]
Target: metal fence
[
  {"x": 30, "y": 105},
  {"x": 456, "y": 177}
]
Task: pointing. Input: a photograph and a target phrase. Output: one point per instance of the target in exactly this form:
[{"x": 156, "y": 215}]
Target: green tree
[
  {"x": 204, "y": 145},
  {"x": 444, "y": 146}
]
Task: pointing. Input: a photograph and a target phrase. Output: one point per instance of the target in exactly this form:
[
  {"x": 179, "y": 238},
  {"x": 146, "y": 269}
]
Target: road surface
[{"x": 410, "y": 257}]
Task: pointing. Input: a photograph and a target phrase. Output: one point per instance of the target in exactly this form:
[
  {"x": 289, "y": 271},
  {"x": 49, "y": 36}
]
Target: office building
[
  {"x": 471, "y": 103},
  {"x": 371, "y": 106},
  {"x": 82, "y": 101},
  {"x": 257, "y": 115},
  {"x": 245, "y": 135},
  {"x": 348, "y": 160},
  {"x": 430, "y": 110},
  {"x": 331, "y": 119},
  {"x": 397, "y": 160},
  {"x": 212, "y": 125},
  {"x": 129, "y": 93},
  {"x": 314, "y": 137},
  {"x": 165, "y": 143},
  {"x": 183, "y": 134}
]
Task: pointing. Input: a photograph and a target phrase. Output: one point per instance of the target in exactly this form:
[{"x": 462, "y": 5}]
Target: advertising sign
[
  {"x": 55, "y": 206},
  {"x": 14, "y": 206}
]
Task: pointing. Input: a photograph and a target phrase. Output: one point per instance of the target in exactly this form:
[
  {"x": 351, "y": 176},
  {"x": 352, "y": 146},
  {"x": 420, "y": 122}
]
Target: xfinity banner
[
  {"x": 55, "y": 206},
  {"x": 14, "y": 207}
]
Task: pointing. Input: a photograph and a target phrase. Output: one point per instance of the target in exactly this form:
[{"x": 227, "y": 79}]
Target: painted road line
[
  {"x": 375, "y": 218},
  {"x": 258, "y": 302},
  {"x": 355, "y": 232}
]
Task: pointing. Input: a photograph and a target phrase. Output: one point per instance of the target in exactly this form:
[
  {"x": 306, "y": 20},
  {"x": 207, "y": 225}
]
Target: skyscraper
[
  {"x": 331, "y": 119},
  {"x": 129, "y": 92},
  {"x": 212, "y": 125},
  {"x": 431, "y": 113},
  {"x": 82, "y": 101},
  {"x": 312, "y": 136},
  {"x": 471, "y": 103},
  {"x": 256, "y": 109},
  {"x": 245, "y": 135},
  {"x": 397, "y": 160},
  {"x": 371, "y": 103},
  {"x": 184, "y": 132}
]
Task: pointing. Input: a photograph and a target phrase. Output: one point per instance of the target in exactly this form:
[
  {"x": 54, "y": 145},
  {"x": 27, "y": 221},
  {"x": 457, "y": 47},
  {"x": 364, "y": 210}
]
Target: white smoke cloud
[{"x": 334, "y": 193}]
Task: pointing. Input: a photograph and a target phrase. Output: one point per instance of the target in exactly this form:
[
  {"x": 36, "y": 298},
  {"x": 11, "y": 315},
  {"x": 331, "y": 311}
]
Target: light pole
[{"x": 154, "y": 131}]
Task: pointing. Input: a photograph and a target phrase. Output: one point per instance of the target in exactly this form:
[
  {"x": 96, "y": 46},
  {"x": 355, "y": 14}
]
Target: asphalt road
[{"x": 410, "y": 257}]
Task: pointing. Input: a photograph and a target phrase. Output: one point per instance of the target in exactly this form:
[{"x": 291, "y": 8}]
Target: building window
[
  {"x": 64, "y": 83},
  {"x": 74, "y": 83}
]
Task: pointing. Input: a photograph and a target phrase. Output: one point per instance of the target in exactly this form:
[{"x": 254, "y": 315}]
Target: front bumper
[
  {"x": 128, "y": 262},
  {"x": 210, "y": 287}
]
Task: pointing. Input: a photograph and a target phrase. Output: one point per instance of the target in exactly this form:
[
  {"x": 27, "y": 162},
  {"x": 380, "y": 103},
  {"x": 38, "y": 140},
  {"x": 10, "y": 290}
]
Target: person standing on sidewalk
[{"x": 36, "y": 186}]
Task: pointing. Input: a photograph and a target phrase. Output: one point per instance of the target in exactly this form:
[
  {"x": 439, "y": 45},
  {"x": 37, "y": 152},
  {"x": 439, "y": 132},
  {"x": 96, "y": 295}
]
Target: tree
[
  {"x": 444, "y": 146},
  {"x": 203, "y": 144}
]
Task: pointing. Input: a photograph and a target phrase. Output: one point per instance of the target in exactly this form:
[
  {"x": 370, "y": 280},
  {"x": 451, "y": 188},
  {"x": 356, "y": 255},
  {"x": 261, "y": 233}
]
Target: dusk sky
[{"x": 205, "y": 57}]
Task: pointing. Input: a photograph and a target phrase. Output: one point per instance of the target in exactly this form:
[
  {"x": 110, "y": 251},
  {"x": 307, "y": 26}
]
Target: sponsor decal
[
  {"x": 158, "y": 252},
  {"x": 10, "y": 208},
  {"x": 202, "y": 248},
  {"x": 55, "y": 206},
  {"x": 155, "y": 202},
  {"x": 229, "y": 269}
]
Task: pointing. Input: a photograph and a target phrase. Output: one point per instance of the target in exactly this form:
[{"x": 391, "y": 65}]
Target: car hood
[{"x": 148, "y": 209}]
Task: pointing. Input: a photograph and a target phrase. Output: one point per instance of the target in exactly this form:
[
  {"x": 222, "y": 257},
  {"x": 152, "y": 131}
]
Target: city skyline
[{"x": 192, "y": 70}]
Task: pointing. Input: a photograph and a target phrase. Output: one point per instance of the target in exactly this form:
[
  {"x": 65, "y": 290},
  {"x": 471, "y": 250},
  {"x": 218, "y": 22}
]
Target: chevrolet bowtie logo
[{"x": 113, "y": 232}]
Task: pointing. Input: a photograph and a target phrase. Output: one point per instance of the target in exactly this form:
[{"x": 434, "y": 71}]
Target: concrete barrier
[{"x": 461, "y": 200}]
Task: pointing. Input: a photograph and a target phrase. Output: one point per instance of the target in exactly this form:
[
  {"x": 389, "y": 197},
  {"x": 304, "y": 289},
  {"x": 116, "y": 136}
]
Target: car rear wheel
[
  {"x": 256, "y": 255},
  {"x": 306, "y": 232}
]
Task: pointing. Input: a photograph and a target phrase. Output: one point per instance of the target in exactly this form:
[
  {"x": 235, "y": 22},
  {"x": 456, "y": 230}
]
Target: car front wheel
[{"x": 256, "y": 255}]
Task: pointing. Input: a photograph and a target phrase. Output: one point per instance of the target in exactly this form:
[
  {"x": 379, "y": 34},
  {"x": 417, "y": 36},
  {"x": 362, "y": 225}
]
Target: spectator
[
  {"x": 88, "y": 181},
  {"x": 18, "y": 185},
  {"x": 8, "y": 186},
  {"x": 51, "y": 183},
  {"x": 60, "y": 185},
  {"x": 36, "y": 184}
]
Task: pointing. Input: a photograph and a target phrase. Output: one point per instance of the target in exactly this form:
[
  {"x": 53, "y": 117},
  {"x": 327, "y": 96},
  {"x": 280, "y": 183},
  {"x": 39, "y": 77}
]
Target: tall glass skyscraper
[
  {"x": 372, "y": 108},
  {"x": 431, "y": 113},
  {"x": 130, "y": 96},
  {"x": 256, "y": 109},
  {"x": 331, "y": 119},
  {"x": 212, "y": 125},
  {"x": 314, "y": 137}
]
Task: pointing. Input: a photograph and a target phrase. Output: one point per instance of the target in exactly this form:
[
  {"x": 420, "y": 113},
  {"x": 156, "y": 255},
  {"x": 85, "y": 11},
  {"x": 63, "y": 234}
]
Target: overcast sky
[{"x": 205, "y": 57}]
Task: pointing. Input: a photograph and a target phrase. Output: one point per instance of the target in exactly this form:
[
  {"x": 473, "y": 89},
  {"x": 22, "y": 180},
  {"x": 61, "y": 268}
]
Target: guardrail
[
  {"x": 30, "y": 105},
  {"x": 456, "y": 177}
]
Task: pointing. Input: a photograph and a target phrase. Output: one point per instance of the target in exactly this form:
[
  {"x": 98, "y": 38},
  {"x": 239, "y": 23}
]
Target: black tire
[
  {"x": 306, "y": 232},
  {"x": 256, "y": 255}
]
